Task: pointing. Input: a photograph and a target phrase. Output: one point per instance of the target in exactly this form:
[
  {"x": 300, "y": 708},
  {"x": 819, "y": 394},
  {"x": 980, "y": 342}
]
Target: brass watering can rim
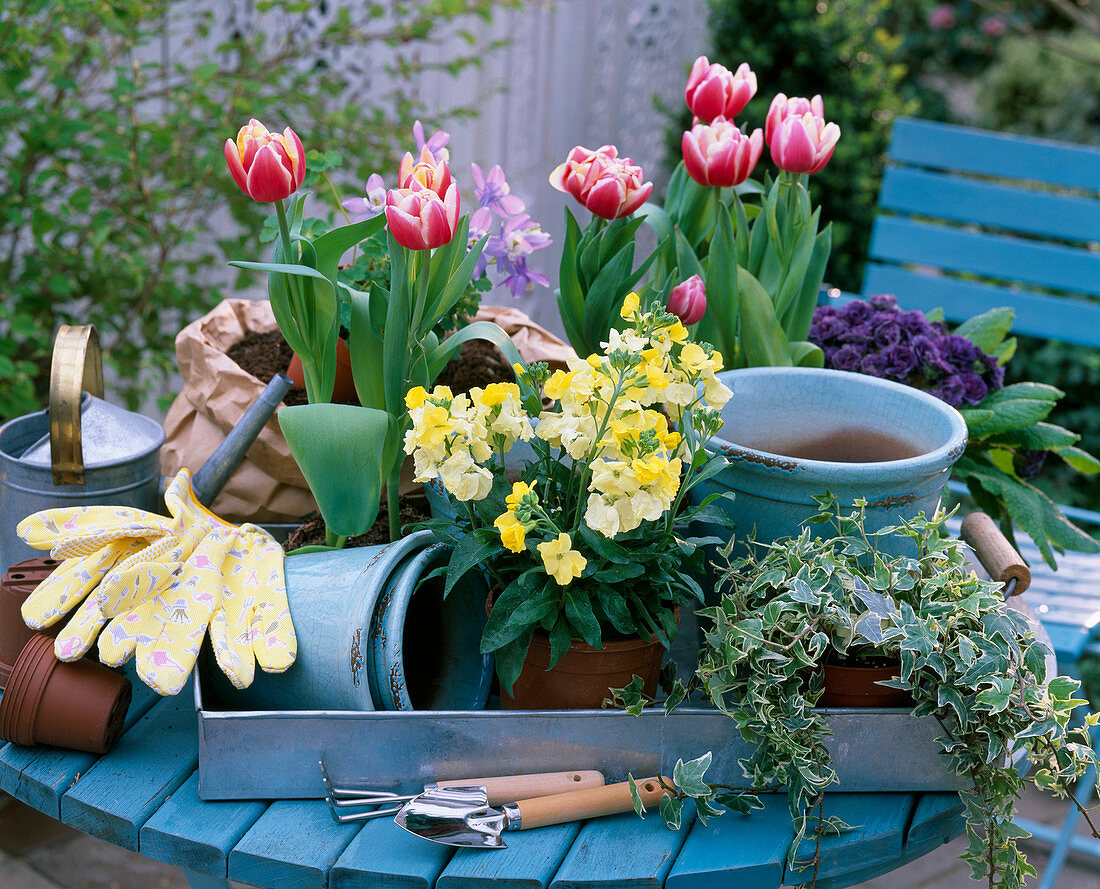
[{"x": 77, "y": 366}]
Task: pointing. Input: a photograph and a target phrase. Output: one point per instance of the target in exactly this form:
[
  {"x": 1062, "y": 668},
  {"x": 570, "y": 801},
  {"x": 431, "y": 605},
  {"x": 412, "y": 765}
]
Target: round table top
[{"x": 143, "y": 796}]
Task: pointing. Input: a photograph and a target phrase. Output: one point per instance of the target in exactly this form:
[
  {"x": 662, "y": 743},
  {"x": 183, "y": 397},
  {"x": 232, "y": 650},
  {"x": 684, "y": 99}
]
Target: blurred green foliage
[
  {"x": 117, "y": 208},
  {"x": 842, "y": 50}
]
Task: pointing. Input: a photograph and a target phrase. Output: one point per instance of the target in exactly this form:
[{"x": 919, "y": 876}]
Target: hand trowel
[{"x": 461, "y": 816}]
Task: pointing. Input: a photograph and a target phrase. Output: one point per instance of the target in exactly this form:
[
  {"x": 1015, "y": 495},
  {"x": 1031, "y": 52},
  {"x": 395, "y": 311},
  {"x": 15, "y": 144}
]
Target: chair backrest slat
[{"x": 970, "y": 220}]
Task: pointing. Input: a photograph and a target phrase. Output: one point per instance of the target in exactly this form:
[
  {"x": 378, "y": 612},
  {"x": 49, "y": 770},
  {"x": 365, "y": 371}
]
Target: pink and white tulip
[
  {"x": 420, "y": 219},
  {"x": 719, "y": 154},
  {"x": 688, "y": 300},
  {"x": 267, "y": 166},
  {"x": 715, "y": 91},
  {"x": 800, "y": 139},
  {"x": 781, "y": 108},
  {"x": 429, "y": 172},
  {"x": 608, "y": 185}
]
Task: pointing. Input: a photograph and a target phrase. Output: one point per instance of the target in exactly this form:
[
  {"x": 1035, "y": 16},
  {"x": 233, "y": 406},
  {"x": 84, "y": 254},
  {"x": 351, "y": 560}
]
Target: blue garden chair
[{"x": 971, "y": 220}]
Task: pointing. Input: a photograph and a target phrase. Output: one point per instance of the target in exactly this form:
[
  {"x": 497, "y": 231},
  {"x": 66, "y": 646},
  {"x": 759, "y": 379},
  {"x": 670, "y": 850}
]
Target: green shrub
[
  {"x": 840, "y": 49},
  {"x": 117, "y": 208}
]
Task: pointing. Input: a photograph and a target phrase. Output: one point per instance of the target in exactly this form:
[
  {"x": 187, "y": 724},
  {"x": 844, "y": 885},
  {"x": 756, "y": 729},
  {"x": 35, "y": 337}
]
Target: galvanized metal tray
[{"x": 274, "y": 754}]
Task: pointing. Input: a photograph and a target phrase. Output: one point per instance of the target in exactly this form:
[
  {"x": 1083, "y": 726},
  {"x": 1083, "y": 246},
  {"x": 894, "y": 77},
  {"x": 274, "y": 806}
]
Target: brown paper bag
[
  {"x": 533, "y": 342},
  {"x": 268, "y": 485}
]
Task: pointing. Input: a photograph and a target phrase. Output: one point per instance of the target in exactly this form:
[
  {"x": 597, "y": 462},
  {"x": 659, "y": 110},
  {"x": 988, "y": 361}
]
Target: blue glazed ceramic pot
[
  {"x": 791, "y": 432},
  {"x": 362, "y": 616}
]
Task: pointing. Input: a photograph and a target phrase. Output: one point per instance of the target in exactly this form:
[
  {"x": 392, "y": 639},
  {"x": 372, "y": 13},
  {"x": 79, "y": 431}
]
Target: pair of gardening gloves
[{"x": 154, "y": 585}]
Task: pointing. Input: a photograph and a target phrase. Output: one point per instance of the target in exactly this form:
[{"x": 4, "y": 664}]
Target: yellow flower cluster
[
  {"x": 559, "y": 559},
  {"x": 452, "y": 436}
]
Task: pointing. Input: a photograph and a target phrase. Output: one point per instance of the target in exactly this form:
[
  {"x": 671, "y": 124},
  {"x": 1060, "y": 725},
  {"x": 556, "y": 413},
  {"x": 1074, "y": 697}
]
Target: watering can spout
[{"x": 215, "y": 472}]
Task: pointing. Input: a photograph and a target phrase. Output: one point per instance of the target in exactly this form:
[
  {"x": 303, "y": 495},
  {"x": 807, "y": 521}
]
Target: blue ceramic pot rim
[{"x": 931, "y": 463}]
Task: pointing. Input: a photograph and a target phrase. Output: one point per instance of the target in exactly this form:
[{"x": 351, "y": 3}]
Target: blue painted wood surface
[
  {"x": 937, "y": 819},
  {"x": 293, "y": 845},
  {"x": 530, "y": 861},
  {"x": 186, "y": 829},
  {"x": 119, "y": 793},
  {"x": 40, "y": 776},
  {"x": 746, "y": 851},
  {"x": 384, "y": 855},
  {"x": 645, "y": 852},
  {"x": 945, "y": 146}
]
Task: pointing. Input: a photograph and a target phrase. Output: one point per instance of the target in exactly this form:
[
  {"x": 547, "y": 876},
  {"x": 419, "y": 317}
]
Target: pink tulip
[
  {"x": 713, "y": 91},
  {"x": 719, "y": 154},
  {"x": 688, "y": 300},
  {"x": 420, "y": 219},
  {"x": 430, "y": 173},
  {"x": 608, "y": 185},
  {"x": 803, "y": 144},
  {"x": 267, "y": 166},
  {"x": 782, "y": 108}
]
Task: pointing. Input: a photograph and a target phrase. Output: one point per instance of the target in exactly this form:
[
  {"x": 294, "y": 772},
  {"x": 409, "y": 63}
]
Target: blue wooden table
[{"x": 143, "y": 796}]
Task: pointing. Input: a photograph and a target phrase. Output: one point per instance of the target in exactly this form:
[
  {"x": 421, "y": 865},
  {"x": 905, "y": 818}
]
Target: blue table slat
[
  {"x": 292, "y": 846},
  {"x": 746, "y": 851},
  {"x": 40, "y": 776},
  {"x": 1051, "y": 317},
  {"x": 123, "y": 789},
  {"x": 950, "y": 147},
  {"x": 646, "y": 851},
  {"x": 995, "y": 205},
  {"x": 899, "y": 240},
  {"x": 878, "y": 823},
  {"x": 530, "y": 861},
  {"x": 383, "y": 856},
  {"x": 937, "y": 819},
  {"x": 197, "y": 835}
]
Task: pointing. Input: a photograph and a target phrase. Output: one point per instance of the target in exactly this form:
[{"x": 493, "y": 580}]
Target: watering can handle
[
  {"x": 77, "y": 366},
  {"x": 996, "y": 554}
]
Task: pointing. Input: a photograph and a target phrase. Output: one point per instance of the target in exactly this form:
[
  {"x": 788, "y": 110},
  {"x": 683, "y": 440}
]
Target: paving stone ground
[{"x": 37, "y": 852}]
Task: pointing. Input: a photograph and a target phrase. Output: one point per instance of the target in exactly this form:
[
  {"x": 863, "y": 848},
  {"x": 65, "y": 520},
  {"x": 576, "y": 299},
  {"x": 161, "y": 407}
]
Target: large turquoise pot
[
  {"x": 373, "y": 636},
  {"x": 908, "y": 441}
]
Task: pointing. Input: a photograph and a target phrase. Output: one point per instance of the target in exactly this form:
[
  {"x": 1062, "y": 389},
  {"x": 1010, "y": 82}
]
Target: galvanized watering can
[{"x": 82, "y": 451}]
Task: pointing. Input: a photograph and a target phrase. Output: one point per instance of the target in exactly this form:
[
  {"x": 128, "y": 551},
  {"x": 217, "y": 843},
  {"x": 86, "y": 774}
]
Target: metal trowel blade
[{"x": 454, "y": 816}]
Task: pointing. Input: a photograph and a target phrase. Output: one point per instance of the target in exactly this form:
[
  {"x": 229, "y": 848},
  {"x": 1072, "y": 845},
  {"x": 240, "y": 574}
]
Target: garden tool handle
[
  {"x": 77, "y": 365},
  {"x": 592, "y": 803},
  {"x": 996, "y": 554},
  {"x": 512, "y": 787}
]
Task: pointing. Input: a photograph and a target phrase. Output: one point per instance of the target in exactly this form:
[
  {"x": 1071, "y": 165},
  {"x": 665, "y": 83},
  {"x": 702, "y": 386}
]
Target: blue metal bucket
[
  {"x": 371, "y": 636},
  {"x": 772, "y": 407}
]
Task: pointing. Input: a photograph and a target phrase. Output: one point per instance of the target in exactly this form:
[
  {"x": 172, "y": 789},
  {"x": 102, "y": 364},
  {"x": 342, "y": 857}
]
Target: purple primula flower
[
  {"x": 928, "y": 356},
  {"x": 873, "y": 364},
  {"x": 883, "y": 301},
  {"x": 369, "y": 206},
  {"x": 492, "y": 191},
  {"x": 885, "y": 330},
  {"x": 437, "y": 143},
  {"x": 1028, "y": 464},
  {"x": 856, "y": 312},
  {"x": 995, "y": 377},
  {"x": 913, "y": 323},
  {"x": 952, "y": 389},
  {"x": 826, "y": 327},
  {"x": 857, "y": 334},
  {"x": 900, "y": 361},
  {"x": 847, "y": 357},
  {"x": 974, "y": 388},
  {"x": 959, "y": 352}
]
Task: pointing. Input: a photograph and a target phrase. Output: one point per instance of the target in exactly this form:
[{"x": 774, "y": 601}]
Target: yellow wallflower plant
[{"x": 589, "y": 539}]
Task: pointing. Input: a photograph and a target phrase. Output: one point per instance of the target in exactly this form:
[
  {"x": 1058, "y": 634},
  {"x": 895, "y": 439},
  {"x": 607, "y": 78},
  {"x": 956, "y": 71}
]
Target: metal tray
[{"x": 274, "y": 754}]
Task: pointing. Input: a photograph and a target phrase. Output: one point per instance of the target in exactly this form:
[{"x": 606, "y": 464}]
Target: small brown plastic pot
[
  {"x": 16, "y": 584},
  {"x": 854, "y": 686},
  {"x": 79, "y": 706},
  {"x": 343, "y": 389}
]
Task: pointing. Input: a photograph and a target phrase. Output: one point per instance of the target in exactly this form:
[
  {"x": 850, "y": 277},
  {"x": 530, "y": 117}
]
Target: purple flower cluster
[
  {"x": 877, "y": 338},
  {"x": 517, "y": 238}
]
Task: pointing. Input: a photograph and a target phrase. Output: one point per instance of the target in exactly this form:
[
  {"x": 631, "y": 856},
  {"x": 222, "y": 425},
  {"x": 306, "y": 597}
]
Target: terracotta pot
[
  {"x": 79, "y": 706},
  {"x": 847, "y": 686},
  {"x": 343, "y": 391},
  {"x": 18, "y": 582},
  {"x": 584, "y": 675}
]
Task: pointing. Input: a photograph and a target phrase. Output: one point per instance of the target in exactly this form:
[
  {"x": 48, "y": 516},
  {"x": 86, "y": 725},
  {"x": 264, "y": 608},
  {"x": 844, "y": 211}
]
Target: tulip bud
[
  {"x": 688, "y": 300},
  {"x": 713, "y": 91},
  {"x": 719, "y": 154},
  {"x": 608, "y": 185},
  {"x": 267, "y": 166},
  {"x": 419, "y": 219}
]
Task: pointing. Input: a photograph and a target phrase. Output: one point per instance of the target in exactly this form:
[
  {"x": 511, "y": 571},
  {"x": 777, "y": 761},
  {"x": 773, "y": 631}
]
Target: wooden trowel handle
[
  {"x": 591, "y": 803},
  {"x": 509, "y": 788},
  {"x": 994, "y": 551}
]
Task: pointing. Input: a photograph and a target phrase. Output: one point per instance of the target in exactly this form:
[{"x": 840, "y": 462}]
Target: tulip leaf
[
  {"x": 763, "y": 342},
  {"x": 333, "y": 244},
  {"x": 365, "y": 346},
  {"x": 454, "y": 288},
  {"x": 801, "y": 314},
  {"x": 339, "y": 447}
]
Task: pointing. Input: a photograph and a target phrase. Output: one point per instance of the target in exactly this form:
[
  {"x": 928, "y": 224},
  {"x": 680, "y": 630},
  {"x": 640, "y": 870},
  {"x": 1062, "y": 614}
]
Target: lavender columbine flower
[
  {"x": 369, "y": 206},
  {"x": 522, "y": 237},
  {"x": 481, "y": 220},
  {"x": 436, "y": 143},
  {"x": 520, "y": 278},
  {"x": 492, "y": 191}
]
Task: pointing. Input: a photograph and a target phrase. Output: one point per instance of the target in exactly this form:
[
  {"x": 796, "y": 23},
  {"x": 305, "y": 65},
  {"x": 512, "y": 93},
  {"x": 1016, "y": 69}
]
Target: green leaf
[
  {"x": 337, "y": 447},
  {"x": 688, "y": 776},
  {"x": 763, "y": 342},
  {"x": 988, "y": 330},
  {"x": 470, "y": 552},
  {"x": 578, "y": 608},
  {"x": 501, "y": 628},
  {"x": 671, "y": 811},
  {"x": 1080, "y": 460}
]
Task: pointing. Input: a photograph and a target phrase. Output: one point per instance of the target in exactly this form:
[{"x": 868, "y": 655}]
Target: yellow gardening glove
[{"x": 253, "y": 624}]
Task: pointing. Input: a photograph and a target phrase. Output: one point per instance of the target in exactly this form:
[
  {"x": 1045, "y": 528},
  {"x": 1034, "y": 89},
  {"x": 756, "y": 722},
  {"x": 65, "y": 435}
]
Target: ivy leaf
[
  {"x": 688, "y": 776},
  {"x": 671, "y": 811}
]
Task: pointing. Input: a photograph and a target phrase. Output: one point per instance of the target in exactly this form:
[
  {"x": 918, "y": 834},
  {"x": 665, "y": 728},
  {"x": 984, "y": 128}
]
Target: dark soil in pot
[
  {"x": 263, "y": 355},
  {"x": 414, "y": 508},
  {"x": 478, "y": 363}
]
